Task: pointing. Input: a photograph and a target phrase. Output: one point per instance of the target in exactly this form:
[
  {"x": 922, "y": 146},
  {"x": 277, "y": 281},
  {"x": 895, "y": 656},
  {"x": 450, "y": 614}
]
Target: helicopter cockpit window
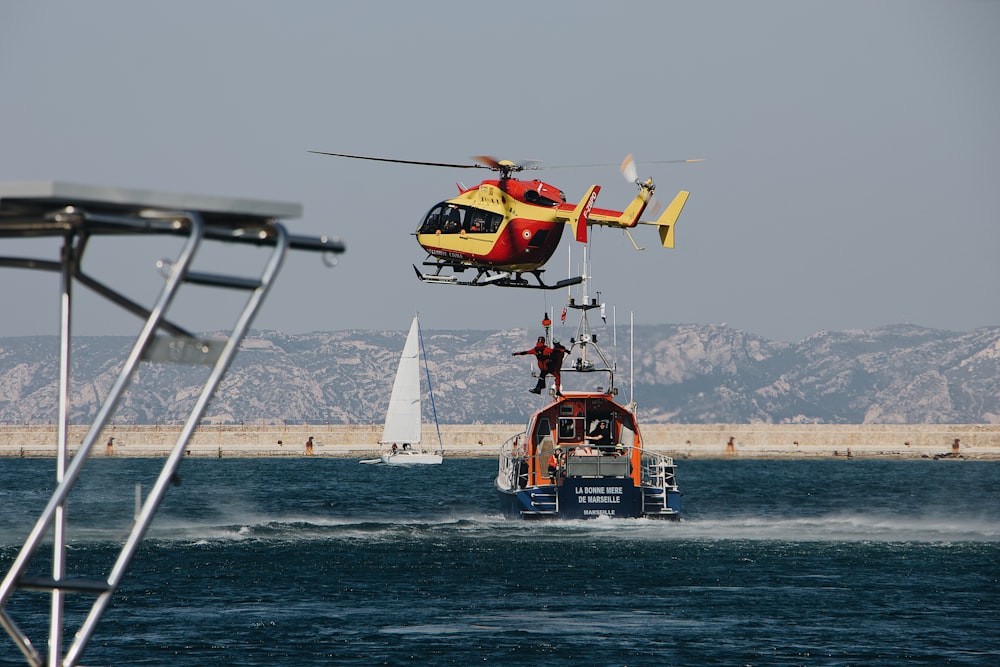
[
  {"x": 451, "y": 219},
  {"x": 444, "y": 218},
  {"x": 433, "y": 222}
]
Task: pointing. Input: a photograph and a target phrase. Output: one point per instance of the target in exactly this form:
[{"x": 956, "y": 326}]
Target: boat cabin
[{"x": 583, "y": 436}]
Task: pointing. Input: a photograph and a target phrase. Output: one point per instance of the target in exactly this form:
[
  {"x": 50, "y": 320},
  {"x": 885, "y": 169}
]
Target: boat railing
[
  {"x": 510, "y": 463},
  {"x": 658, "y": 470}
]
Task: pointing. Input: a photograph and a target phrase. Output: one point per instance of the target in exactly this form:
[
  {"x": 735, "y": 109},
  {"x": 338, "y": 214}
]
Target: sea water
[{"x": 318, "y": 561}]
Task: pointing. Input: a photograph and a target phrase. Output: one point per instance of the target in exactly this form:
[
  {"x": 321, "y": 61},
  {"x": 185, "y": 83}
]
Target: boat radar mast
[{"x": 585, "y": 338}]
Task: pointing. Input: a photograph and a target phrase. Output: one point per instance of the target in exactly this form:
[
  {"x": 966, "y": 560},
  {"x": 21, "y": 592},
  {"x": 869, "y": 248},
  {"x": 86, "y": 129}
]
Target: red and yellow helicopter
[{"x": 508, "y": 227}]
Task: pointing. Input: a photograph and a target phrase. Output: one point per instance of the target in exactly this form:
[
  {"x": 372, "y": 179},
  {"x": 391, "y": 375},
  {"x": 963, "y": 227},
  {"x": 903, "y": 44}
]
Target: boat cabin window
[
  {"x": 570, "y": 429},
  {"x": 627, "y": 437},
  {"x": 453, "y": 219},
  {"x": 543, "y": 428}
]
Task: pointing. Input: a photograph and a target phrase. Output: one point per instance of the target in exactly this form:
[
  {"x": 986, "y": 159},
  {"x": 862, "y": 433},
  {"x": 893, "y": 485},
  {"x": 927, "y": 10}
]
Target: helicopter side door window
[
  {"x": 493, "y": 221},
  {"x": 478, "y": 223}
]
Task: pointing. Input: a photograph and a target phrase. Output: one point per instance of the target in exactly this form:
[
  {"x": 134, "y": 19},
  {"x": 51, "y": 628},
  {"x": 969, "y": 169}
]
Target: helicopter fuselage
[{"x": 507, "y": 225}]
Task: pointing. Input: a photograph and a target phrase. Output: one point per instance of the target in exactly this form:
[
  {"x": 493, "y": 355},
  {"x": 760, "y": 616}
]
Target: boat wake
[
  {"x": 831, "y": 528},
  {"x": 842, "y": 528},
  {"x": 302, "y": 529}
]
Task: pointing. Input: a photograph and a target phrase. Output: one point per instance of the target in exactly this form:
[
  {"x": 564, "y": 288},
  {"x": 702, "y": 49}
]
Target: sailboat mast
[{"x": 430, "y": 388}]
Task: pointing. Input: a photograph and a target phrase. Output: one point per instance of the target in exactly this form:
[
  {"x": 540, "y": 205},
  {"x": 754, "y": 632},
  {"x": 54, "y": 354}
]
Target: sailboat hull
[{"x": 403, "y": 458}]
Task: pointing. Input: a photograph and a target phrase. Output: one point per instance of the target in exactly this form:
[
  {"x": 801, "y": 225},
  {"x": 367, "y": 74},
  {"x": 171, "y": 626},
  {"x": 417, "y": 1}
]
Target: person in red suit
[
  {"x": 549, "y": 363},
  {"x": 553, "y": 365},
  {"x": 541, "y": 352}
]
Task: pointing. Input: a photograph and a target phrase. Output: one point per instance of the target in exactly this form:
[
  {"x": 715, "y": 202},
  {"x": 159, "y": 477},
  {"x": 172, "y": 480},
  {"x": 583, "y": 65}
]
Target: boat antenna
[{"x": 430, "y": 387}]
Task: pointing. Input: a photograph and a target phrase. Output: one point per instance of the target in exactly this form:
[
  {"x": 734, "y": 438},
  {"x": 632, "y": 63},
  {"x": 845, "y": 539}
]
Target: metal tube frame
[{"x": 75, "y": 237}]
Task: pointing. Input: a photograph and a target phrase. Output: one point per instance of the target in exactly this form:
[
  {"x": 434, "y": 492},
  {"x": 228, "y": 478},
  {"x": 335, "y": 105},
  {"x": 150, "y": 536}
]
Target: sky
[{"x": 851, "y": 149}]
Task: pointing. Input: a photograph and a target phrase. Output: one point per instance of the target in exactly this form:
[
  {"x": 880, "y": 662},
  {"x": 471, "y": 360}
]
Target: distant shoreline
[{"x": 682, "y": 441}]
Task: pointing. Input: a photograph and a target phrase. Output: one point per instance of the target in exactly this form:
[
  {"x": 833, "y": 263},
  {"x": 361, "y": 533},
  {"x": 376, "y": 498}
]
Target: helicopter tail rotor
[
  {"x": 631, "y": 173},
  {"x": 629, "y": 170},
  {"x": 645, "y": 201}
]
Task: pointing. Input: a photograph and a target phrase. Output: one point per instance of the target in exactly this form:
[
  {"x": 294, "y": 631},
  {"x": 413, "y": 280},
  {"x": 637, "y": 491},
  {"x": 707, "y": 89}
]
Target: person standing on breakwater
[{"x": 309, "y": 446}]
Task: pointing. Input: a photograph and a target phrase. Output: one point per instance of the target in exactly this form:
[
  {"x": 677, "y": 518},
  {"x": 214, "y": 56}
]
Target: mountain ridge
[{"x": 683, "y": 373}]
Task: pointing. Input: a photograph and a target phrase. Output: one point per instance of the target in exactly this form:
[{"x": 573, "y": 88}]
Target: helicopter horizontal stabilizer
[
  {"x": 582, "y": 211},
  {"x": 666, "y": 222}
]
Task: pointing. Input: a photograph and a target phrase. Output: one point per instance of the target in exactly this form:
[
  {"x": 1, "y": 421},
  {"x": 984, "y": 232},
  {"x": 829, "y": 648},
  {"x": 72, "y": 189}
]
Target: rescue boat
[{"x": 582, "y": 455}]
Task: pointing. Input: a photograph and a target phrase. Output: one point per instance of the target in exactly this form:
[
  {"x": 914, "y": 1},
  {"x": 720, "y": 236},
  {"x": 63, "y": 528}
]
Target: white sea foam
[
  {"x": 829, "y": 528},
  {"x": 300, "y": 528},
  {"x": 840, "y": 528}
]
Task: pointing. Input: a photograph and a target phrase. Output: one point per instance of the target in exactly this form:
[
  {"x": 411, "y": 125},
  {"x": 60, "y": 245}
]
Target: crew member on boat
[
  {"x": 553, "y": 364},
  {"x": 599, "y": 434}
]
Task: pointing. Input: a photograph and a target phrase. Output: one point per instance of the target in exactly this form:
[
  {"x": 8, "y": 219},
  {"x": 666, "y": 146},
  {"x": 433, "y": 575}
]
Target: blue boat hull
[{"x": 589, "y": 498}]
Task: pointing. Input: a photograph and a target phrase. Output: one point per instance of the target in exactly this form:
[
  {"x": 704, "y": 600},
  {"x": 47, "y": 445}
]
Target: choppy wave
[
  {"x": 834, "y": 528},
  {"x": 831, "y": 528}
]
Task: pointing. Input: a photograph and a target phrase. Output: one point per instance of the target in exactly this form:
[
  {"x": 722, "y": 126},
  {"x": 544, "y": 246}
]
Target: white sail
[{"x": 402, "y": 420}]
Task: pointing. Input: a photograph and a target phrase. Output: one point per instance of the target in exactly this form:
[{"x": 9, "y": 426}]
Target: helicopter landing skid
[{"x": 486, "y": 277}]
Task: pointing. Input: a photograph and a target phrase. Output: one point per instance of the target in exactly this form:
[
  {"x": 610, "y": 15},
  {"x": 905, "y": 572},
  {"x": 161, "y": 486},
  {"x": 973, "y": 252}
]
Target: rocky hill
[{"x": 682, "y": 374}]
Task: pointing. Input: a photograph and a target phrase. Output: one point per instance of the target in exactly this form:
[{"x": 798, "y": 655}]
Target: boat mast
[{"x": 584, "y": 336}]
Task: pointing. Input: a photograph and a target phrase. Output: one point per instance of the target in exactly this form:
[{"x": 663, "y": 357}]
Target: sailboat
[{"x": 400, "y": 440}]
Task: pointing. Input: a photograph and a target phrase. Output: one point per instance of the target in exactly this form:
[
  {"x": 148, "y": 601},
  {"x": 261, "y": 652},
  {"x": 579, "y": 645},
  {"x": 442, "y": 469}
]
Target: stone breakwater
[{"x": 970, "y": 441}]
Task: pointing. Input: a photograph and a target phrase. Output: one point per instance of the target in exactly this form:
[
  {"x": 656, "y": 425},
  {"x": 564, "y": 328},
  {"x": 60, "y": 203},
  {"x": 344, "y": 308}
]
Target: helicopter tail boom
[{"x": 630, "y": 216}]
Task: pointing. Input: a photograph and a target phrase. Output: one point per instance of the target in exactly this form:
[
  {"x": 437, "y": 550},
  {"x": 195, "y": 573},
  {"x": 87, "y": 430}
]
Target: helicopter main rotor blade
[
  {"x": 697, "y": 159},
  {"x": 608, "y": 164},
  {"x": 386, "y": 159},
  {"x": 487, "y": 161}
]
